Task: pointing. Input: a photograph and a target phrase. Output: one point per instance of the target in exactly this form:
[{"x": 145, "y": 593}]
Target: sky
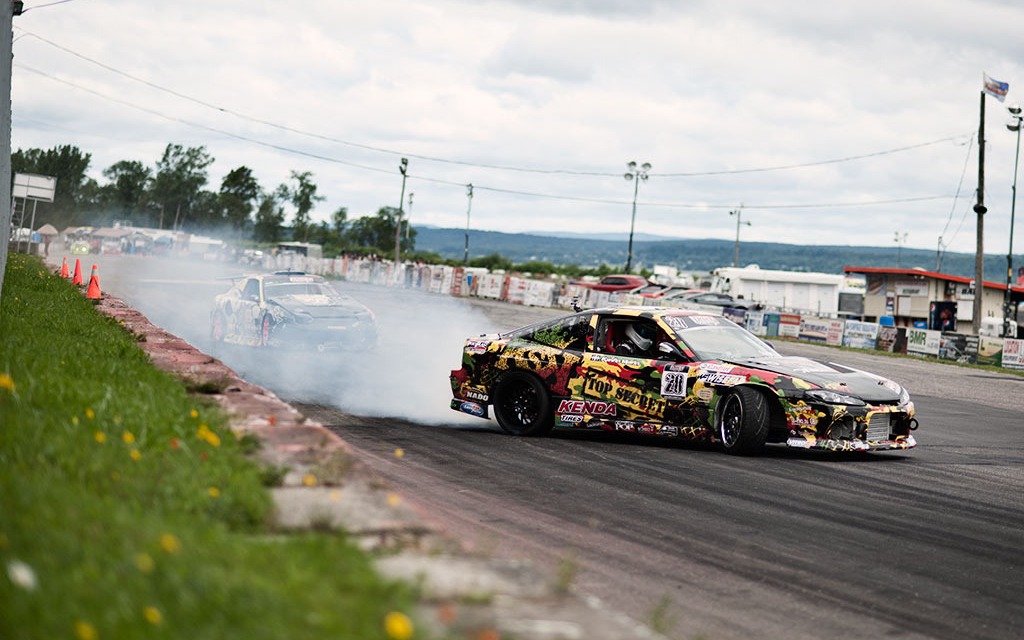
[{"x": 820, "y": 123}]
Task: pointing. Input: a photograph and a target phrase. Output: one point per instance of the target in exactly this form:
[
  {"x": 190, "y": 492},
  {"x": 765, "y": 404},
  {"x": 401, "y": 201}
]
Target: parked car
[
  {"x": 670, "y": 292},
  {"x": 291, "y": 308},
  {"x": 675, "y": 372},
  {"x": 706, "y": 298},
  {"x": 616, "y": 282}
]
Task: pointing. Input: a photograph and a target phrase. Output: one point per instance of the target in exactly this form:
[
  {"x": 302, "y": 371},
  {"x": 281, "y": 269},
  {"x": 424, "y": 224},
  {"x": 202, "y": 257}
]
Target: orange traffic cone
[
  {"x": 64, "y": 269},
  {"x": 78, "y": 272},
  {"x": 93, "y": 291}
]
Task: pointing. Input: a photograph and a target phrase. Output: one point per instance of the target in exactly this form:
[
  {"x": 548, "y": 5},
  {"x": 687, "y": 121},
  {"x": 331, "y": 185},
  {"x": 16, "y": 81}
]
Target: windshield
[
  {"x": 721, "y": 342},
  {"x": 299, "y": 289}
]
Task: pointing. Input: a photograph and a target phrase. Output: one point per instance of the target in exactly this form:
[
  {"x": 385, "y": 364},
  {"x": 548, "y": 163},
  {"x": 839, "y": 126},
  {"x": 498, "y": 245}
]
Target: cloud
[{"x": 566, "y": 93}]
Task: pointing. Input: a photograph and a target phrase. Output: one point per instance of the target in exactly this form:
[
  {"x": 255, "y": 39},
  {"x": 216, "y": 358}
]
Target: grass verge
[{"x": 128, "y": 509}]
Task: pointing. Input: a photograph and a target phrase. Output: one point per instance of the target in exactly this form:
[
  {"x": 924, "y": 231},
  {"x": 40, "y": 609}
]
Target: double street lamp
[
  {"x": 1010, "y": 322},
  {"x": 635, "y": 175}
]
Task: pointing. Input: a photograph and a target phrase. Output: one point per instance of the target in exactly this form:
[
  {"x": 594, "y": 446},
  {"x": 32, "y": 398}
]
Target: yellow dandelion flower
[
  {"x": 206, "y": 434},
  {"x": 193, "y": 413},
  {"x": 128, "y": 437},
  {"x": 100, "y": 437},
  {"x": 393, "y": 499},
  {"x": 85, "y": 631},
  {"x": 309, "y": 480},
  {"x": 398, "y": 626},
  {"x": 213, "y": 492},
  {"x": 6, "y": 382},
  {"x": 90, "y": 414},
  {"x": 74, "y": 420},
  {"x": 399, "y": 452},
  {"x": 136, "y": 456},
  {"x": 170, "y": 543},
  {"x": 152, "y": 615},
  {"x": 144, "y": 562}
]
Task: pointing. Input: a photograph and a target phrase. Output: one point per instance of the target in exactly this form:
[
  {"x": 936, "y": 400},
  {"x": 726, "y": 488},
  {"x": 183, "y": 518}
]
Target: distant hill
[{"x": 692, "y": 255}]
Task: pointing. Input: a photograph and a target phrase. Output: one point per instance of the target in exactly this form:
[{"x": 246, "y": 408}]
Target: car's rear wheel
[
  {"x": 217, "y": 326},
  {"x": 743, "y": 420},
  {"x": 266, "y": 326},
  {"x": 522, "y": 405}
]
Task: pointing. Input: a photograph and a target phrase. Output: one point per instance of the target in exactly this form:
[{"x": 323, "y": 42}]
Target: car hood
[
  {"x": 829, "y": 375},
  {"x": 321, "y": 306}
]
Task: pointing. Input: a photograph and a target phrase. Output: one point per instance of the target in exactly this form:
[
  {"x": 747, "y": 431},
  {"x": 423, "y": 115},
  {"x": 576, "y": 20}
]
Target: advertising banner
[
  {"x": 942, "y": 315},
  {"x": 990, "y": 351},
  {"x": 754, "y": 323},
  {"x": 862, "y": 335},
  {"x": 827, "y": 330},
  {"x": 923, "y": 341},
  {"x": 789, "y": 325},
  {"x": 1013, "y": 353}
]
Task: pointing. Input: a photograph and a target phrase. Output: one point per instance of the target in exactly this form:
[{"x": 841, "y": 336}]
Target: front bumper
[{"x": 807, "y": 441}]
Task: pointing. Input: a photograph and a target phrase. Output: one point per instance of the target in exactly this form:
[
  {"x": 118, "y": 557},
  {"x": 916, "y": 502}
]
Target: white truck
[{"x": 821, "y": 294}]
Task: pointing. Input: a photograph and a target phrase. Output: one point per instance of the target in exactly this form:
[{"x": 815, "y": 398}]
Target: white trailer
[{"x": 793, "y": 291}]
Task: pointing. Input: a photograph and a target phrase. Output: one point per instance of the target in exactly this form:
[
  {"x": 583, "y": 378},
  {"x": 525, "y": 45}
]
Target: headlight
[{"x": 833, "y": 397}]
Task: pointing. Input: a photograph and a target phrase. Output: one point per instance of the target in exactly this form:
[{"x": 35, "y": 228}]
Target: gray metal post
[{"x": 6, "y": 44}]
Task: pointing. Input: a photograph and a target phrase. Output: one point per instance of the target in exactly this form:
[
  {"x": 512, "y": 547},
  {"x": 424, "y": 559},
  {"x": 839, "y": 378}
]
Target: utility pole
[
  {"x": 980, "y": 209},
  {"x": 469, "y": 195},
  {"x": 403, "y": 167},
  {"x": 408, "y": 218},
  {"x": 7, "y": 12},
  {"x": 1009, "y": 313},
  {"x": 739, "y": 220}
]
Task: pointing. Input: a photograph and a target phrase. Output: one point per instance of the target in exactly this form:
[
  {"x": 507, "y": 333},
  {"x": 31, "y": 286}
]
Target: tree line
[{"x": 173, "y": 193}]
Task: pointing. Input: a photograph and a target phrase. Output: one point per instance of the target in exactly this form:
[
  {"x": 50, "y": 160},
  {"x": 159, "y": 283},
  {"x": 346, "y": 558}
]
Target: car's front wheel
[
  {"x": 217, "y": 326},
  {"x": 522, "y": 405},
  {"x": 743, "y": 420},
  {"x": 266, "y": 326}
]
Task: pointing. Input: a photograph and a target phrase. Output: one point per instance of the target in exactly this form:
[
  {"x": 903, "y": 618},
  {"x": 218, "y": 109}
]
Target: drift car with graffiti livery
[
  {"x": 676, "y": 372},
  {"x": 293, "y": 309}
]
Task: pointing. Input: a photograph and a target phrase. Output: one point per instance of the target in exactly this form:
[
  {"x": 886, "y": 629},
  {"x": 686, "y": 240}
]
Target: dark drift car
[
  {"x": 290, "y": 308},
  {"x": 676, "y": 372}
]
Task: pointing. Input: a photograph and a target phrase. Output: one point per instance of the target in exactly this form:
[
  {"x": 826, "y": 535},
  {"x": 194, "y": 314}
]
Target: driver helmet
[{"x": 641, "y": 335}]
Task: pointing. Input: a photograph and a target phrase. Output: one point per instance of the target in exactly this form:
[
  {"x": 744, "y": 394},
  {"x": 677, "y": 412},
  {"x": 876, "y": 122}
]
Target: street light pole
[
  {"x": 408, "y": 217},
  {"x": 1009, "y": 321},
  {"x": 469, "y": 207},
  {"x": 739, "y": 220},
  {"x": 403, "y": 167},
  {"x": 900, "y": 241},
  {"x": 636, "y": 176}
]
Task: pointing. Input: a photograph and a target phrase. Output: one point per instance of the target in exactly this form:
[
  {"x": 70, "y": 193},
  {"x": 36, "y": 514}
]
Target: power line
[
  {"x": 452, "y": 182},
  {"x": 392, "y": 152},
  {"x": 819, "y": 163},
  {"x": 41, "y": 6}
]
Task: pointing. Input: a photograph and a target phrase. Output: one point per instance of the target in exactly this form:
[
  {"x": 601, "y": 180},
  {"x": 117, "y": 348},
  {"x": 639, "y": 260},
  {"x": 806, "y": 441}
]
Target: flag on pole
[{"x": 995, "y": 88}]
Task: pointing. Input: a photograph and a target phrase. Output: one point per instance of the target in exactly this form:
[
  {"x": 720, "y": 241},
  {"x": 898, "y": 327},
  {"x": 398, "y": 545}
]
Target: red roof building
[{"x": 916, "y": 295}]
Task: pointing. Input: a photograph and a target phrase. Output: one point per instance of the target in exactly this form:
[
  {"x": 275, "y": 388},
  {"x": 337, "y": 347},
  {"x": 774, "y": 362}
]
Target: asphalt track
[{"x": 927, "y": 543}]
